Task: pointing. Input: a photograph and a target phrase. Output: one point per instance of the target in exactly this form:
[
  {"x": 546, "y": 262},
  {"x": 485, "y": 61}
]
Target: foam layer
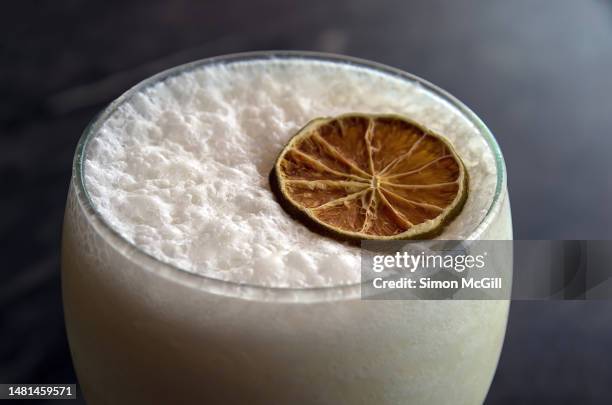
[{"x": 181, "y": 169}]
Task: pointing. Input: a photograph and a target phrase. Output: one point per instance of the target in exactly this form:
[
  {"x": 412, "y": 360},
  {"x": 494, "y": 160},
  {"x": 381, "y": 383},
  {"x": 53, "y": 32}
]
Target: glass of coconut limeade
[{"x": 189, "y": 278}]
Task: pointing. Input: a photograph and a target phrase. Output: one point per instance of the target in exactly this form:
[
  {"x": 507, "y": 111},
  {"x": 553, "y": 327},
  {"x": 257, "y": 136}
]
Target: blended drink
[{"x": 185, "y": 281}]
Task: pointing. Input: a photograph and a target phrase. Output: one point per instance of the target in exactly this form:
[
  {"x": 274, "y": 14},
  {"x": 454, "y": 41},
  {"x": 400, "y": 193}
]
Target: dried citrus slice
[{"x": 361, "y": 176}]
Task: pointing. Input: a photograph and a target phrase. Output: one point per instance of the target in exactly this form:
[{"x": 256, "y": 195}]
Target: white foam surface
[{"x": 181, "y": 169}]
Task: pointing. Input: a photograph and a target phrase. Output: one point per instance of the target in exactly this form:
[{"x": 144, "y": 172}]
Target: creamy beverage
[{"x": 185, "y": 282}]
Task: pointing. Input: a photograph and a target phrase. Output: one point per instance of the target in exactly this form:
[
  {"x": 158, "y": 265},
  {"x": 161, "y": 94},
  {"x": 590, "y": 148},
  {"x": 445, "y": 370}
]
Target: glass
[{"x": 145, "y": 332}]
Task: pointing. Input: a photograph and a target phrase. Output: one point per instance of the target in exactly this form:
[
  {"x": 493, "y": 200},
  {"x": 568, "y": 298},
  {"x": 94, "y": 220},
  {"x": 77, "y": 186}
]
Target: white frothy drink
[
  {"x": 182, "y": 169},
  {"x": 185, "y": 282}
]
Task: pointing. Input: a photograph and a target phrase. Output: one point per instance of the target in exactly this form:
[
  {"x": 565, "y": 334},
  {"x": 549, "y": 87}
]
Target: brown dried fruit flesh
[{"x": 364, "y": 176}]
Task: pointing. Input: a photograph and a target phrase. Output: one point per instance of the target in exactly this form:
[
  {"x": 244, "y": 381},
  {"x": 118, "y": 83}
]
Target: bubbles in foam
[{"x": 181, "y": 169}]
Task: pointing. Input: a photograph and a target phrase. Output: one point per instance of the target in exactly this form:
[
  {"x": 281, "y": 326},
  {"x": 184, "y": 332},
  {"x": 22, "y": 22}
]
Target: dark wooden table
[{"x": 538, "y": 73}]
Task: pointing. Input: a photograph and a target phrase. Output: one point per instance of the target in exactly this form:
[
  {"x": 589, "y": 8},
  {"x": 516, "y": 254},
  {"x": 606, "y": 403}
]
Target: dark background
[{"x": 537, "y": 72}]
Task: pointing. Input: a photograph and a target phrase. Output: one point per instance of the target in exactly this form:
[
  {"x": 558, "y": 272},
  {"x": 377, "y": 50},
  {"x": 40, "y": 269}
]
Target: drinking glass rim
[{"x": 245, "y": 290}]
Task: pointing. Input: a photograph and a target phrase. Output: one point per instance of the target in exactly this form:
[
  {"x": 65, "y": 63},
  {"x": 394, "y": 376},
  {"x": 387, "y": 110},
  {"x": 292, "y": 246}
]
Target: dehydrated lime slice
[{"x": 363, "y": 176}]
